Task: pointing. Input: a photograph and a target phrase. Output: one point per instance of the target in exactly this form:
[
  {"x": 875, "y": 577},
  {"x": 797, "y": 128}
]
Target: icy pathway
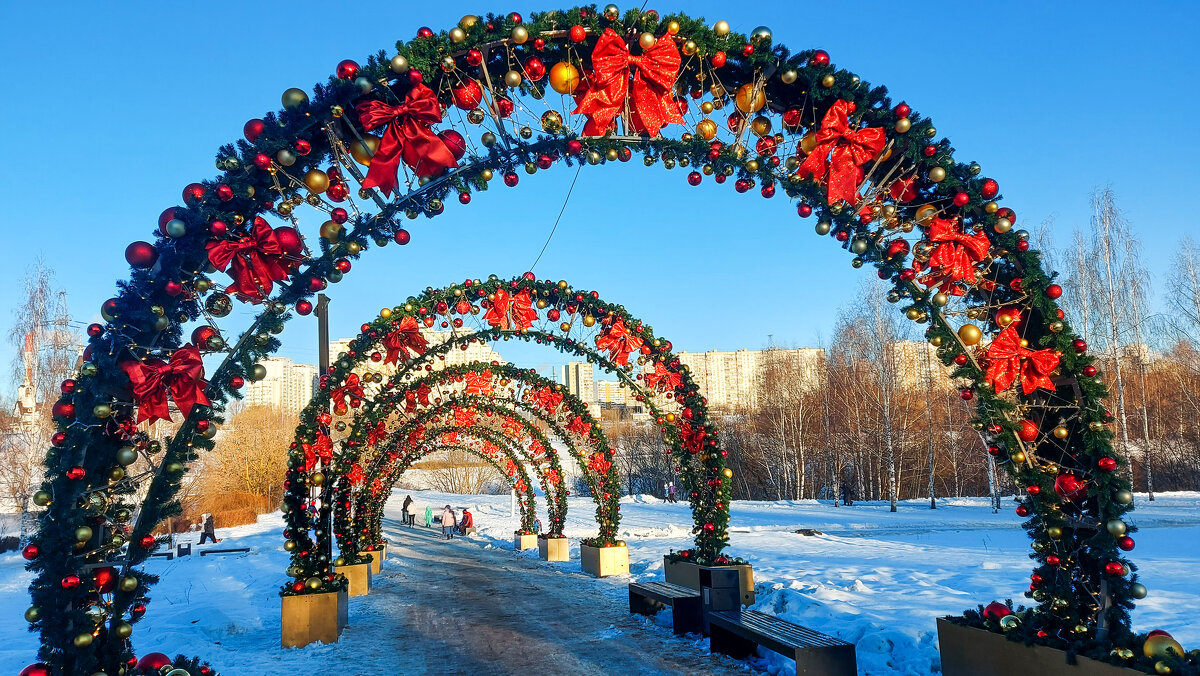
[{"x": 453, "y": 607}]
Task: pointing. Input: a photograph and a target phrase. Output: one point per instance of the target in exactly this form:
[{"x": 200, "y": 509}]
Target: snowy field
[{"x": 874, "y": 578}]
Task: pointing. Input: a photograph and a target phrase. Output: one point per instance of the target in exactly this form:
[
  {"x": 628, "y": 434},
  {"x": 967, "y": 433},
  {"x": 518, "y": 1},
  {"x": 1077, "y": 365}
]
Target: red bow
[
  {"x": 553, "y": 478},
  {"x": 322, "y": 450},
  {"x": 511, "y": 428},
  {"x": 450, "y": 437},
  {"x": 479, "y": 382},
  {"x": 408, "y": 137},
  {"x": 578, "y": 426},
  {"x": 352, "y": 388},
  {"x": 1007, "y": 359},
  {"x": 464, "y": 417},
  {"x": 416, "y": 435},
  {"x": 693, "y": 437},
  {"x": 256, "y": 258},
  {"x": 521, "y": 486},
  {"x": 491, "y": 449},
  {"x": 511, "y": 468},
  {"x": 619, "y": 343},
  {"x": 847, "y": 151},
  {"x": 376, "y": 486},
  {"x": 598, "y": 463},
  {"x": 182, "y": 376},
  {"x": 954, "y": 258},
  {"x": 356, "y": 475},
  {"x": 508, "y": 312},
  {"x": 663, "y": 379},
  {"x": 650, "y": 105},
  {"x": 547, "y": 398},
  {"x": 407, "y": 336},
  {"x": 376, "y": 435},
  {"x": 418, "y": 396},
  {"x": 537, "y": 452}
]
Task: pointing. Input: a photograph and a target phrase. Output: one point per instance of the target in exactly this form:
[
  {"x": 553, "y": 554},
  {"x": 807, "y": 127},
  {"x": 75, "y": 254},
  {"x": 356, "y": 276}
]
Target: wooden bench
[
  {"x": 240, "y": 550},
  {"x": 647, "y": 598},
  {"x": 736, "y": 633}
]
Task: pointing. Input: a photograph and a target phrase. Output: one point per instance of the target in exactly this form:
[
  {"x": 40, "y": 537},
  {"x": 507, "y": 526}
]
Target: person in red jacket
[{"x": 468, "y": 521}]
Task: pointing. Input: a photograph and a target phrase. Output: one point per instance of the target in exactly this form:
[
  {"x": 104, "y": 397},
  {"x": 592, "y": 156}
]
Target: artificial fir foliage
[{"x": 769, "y": 117}]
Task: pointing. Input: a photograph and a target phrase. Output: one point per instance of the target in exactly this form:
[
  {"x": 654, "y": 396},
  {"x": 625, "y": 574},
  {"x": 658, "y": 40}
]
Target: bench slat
[
  {"x": 756, "y": 626},
  {"x": 664, "y": 590}
]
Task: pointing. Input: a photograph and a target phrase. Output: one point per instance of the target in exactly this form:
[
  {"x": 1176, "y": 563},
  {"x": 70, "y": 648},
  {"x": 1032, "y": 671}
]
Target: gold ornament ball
[
  {"x": 486, "y": 174},
  {"x": 690, "y": 48},
  {"x": 969, "y": 334},
  {"x": 476, "y": 116},
  {"x": 902, "y": 125},
  {"x": 488, "y": 139},
  {"x": 828, "y": 81},
  {"x": 706, "y": 129},
  {"x": 937, "y": 174},
  {"x": 1056, "y": 327},
  {"x": 129, "y": 583},
  {"x": 1054, "y": 532},
  {"x": 316, "y": 181},
  {"x": 552, "y": 121},
  {"x": 122, "y": 629},
  {"x": 611, "y": 12},
  {"x": 1095, "y": 426},
  {"x": 1061, "y": 432},
  {"x": 721, "y": 28},
  {"x": 1157, "y": 647},
  {"x": 520, "y": 35},
  {"x": 468, "y": 22},
  {"x": 789, "y": 76},
  {"x": 294, "y": 97},
  {"x": 513, "y": 79},
  {"x": 101, "y": 410},
  {"x": 1138, "y": 590},
  {"x": 706, "y": 107},
  {"x": 749, "y": 99},
  {"x": 1123, "y": 497},
  {"x": 940, "y": 299},
  {"x": 564, "y": 77},
  {"x": 331, "y": 231},
  {"x": 363, "y": 150},
  {"x": 589, "y": 320},
  {"x": 289, "y": 545},
  {"x": 1003, "y": 225},
  {"x": 448, "y": 64},
  {"x": 647, "y": 40},
  {"x": 808, "y": 142},
  {"x": 399, "y": 64},
  {"x": 936, "y": 341},
  {"x": 727, "y": 473},
  {"x": 564, "y": 326},
  {"x": 760, "y": 126},
  {"x": 457, "y": 35},
  {"x": 1162, "y": 668},
  {"x": 1010, "y": 622},
  {"x": 42, "y": 498},
  {"x": 672, "y": 28},
  {"x": 83, "y": 534},
  {"x": 926, "y": 213},
  {"x": 82, "y": 640},
  {"x": 313, "y": 582},
  {"x": 1116, "y": 527}
]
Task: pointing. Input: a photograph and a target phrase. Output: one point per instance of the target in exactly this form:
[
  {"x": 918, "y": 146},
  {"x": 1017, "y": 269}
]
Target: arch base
[
  {"x": 313, "y": 618},
  {"x": 554, "y": 549},
  {"x": 604, "y": 561},
  {"x": 524, "y": 541}
]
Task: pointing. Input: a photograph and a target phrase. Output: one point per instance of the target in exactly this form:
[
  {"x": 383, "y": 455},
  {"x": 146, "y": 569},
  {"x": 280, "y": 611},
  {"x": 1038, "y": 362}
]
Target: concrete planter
[
  {"x": 521, "y": 542},
  {"x": 376, "y": 560},
  {"x": 359, "y": 578},
  {"x": 313, "y": 618},
  {"x": 687, "y": 574},
  {"x": 968, "y": 651},
  {"x": 554, "y": 549},
  {"x": 604, "y": 561}
]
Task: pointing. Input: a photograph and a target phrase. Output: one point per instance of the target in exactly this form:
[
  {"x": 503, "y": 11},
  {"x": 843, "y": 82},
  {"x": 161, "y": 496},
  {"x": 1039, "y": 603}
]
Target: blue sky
[{"x": 110, "y": 109}]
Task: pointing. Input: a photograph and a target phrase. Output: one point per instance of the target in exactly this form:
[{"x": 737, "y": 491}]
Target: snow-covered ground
[{"x": 874, "y": 578}]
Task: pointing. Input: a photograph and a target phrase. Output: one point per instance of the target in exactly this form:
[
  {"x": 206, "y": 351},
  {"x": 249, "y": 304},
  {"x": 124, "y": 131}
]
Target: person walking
[
  {"x": 671, "y": 492},
  {"x": 208, "y": 530},
  {"x": 429, "y": 516},
  {"x": 449, "y": 521},
  {"x": 405, "y": 511},
  {"x": 537, "y": 524}
]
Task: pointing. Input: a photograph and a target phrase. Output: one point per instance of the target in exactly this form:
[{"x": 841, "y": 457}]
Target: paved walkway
[{"x": 456, "y": 607}]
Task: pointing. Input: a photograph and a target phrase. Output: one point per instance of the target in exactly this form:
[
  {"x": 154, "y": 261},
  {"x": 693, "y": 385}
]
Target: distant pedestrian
[
  {"x": 847, "y": 496},
  {"x": 208, "y": 530},
  {"x": 429, "y": 516},
  {"x": 537, "y": 524},
  {"x": 449, "y": 521},
  {"x": 468, "y": 521},
  {"x": 671, "y": 492},
  {"x": 406, "y": 512}
]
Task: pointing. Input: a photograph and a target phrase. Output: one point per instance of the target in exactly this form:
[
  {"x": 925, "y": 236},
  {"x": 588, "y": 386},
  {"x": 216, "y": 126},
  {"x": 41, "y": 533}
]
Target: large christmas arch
[{"x": 511, "y": 95}]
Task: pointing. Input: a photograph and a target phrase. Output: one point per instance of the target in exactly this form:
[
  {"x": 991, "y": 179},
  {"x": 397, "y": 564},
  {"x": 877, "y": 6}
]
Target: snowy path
[{"x": 520, "y": 615}]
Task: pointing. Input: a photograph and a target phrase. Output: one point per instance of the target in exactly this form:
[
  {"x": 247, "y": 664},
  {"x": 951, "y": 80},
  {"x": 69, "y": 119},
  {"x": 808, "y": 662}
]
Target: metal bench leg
[
  {"x": 685, "y": 616},
  {"x": 830, "y": 661},
  {"x": 721, "y": 640}
]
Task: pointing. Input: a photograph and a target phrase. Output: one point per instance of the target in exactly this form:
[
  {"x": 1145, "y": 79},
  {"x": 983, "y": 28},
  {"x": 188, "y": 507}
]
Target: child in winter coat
[{"x": 449, "y": 521}]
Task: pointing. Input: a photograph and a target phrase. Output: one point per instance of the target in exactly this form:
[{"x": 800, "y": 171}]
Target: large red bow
[
  {"x": 547, "y": 398},
  {"x": 509, "y": 312},
  {"x": 954, "y": 257},
  {"x": 537, "y": 452},
  {"x": 847, "y": 151},
  {"x": 450, "y": 437},
  {"x": 663, "y": 379},
  {"x": 322, "y": 450},
  {"x": 553, "y": 477},
  {"x": 692, "y": 437},
  {"x": 478, "y": 382},
  {"x": 464, "y": 417},
  {"x": 1007, "y": 360},
  {"x": 256, "y": 261},
  {"x": 650, "y": 103},
  {"x": 182, "y": 376},
  {"x": 405, "y": 338},
  {"x": 578, "y": 426},
  {"x": 511, "y": 468},
  {"x": 618, "y": 341},
  {"x": 353, "y": 389},
  {"x": 408, "y": 137},
  {"x": 377, "y": 434},
  {"x": 492, "y": 450},
  {"x": 598, "y": 463},
  {"x": 511, "y": 428},
  {"x": 356, "y": 475}
]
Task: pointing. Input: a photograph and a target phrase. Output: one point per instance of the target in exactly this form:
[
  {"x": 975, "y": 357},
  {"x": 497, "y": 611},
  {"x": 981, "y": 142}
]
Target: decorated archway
[{"x": 869, "y": 170}]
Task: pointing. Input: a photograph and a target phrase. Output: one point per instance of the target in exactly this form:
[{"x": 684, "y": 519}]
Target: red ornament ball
[
  {"x": 820, "y": 58},
  {"x": 504, "y": 106},
  {"x": 1028, "y": 431},
  {"x": 141, "y": 255},
  {"x": 63, "y": 409},
  {"x": 535, "y": 68},
  {"x": 1107, "y": 464},
  {"x": 237, "y": 382},
  {"x": 253, "y": 129},
  {"x": 224, "y": 193},
  {"x": 70, "y": 582},
  {"x": 343, "y": 266},
  {"x": 337, "y": 191},
  {"x": 966, "y": 394},
  {"x": 718, "y": 60},
  {"x": 152, "y": 662},
  {"x": 1022, "y": 511},
  {"x": 105, "y": 579},
  {"x": 695, "y": 178},
  {"x": 474, "y": 57},
  {"x": 578, "y": 34},
  {"x": 990, "y": 189},
  {"x": 464, "y": 198},
  {"x": 511, "y": 179},
  {"x": 1053, "y": 291},
  {"x": 961, "y": 359},
  {"x": 347, "y": 69},
  {"x": 415, "y": 77},
  {"x": 402, "y": 237},
  {"x": 339, "y": 215},
  {"x": 748, "y": 50},
  {"x": 467, "y": 95},
  {"x": 996, "y": 610},
  {"x": 1070, "y": 487},
  {"x": 304, "y": 308},
  {"x": 425, "y": 32},
  {"x": 540, "y": 43},
  {"x": 169, "y": 214},
  {"x": 454, "y": 142},
  {"x": 289, "y": 240},
  {"x": 1079, "y": 344},
  {"x": 1053, "y": 560},
  {"x": 303, "y": 147},
  {"x": 515, "y": 18},
  {"x": 574, "y": 147},
  {"x": 30, "y": 552},
  {"x": 1114, "y": 568},
  {"x": 1089, "y": 371},
  {"x": 94, "y": 330},
  {"x": 1125, "y": 543},
  {"x": 262, "y": 161},
  {"x": 804, "y": 210},
  {"x": 961, "y": 199},
  {"x": 768, "y": 190},
  {"x": 193, "y": 192},
  {"x": 902, "y": 110},
  {"x": 38, "y": 669}
]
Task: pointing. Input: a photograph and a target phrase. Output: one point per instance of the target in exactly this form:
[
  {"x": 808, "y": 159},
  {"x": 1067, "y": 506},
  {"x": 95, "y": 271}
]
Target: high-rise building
[
  {"x": 579, "y": 378},
  {"x": 475, "y": 352},
  {"x": 732, "y": 380},
  {"x": 916, "y": 362},
  {"x": 287, "y": 387}
]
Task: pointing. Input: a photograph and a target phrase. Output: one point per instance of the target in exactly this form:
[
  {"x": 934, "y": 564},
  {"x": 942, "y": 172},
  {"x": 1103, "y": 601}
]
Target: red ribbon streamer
[
  {"x": 322, "y": 450},
  {"x": 408, "y": 137},
  {"x": 955, "y": 256},
  {"x": 618, "y": 341},
  {"x": 1007, "y": 361},
  {"x": 598, "y": 463},
  {"x": 650, "y": 103},
  {"x": 511, "y": 312},
  {"x": 404, "y": 339},
  {"x": 182, "y": 376},
  {"x": 847, "y": 151},
  {"x": 255, "y": 261},
  {"x": 692, "y": 436},
  {"x": 356, "y": 475}
]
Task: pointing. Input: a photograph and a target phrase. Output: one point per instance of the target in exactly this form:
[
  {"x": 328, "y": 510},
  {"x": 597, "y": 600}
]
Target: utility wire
[{"x": 560, "y": 215}]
